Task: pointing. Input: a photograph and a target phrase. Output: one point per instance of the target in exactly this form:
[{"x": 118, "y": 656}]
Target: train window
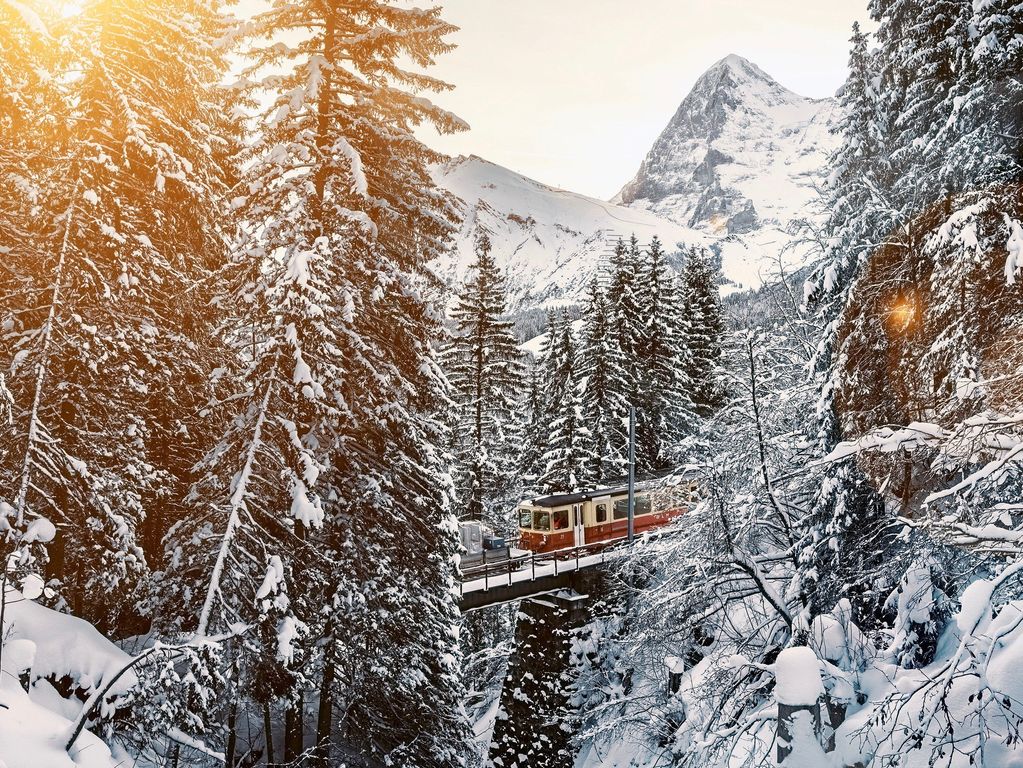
[
  {"x": 643, "y": 507},
  {"x": 541, "y": 520},
  {"x": 621, "y": 509},
  {"x": 602, "y": 513},
  {"x": 525, "y": 518},
  {"x": 560, "y": 517}
]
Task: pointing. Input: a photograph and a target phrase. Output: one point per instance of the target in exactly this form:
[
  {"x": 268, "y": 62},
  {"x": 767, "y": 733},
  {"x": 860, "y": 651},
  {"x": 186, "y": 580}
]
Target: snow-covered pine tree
[
  {"x": 987, "y": 147},
  {"x": 534, "y": 432},
  {"x": 855, "y": 210},
  {"x": 626, "y": 323},
  {"x": 567, "y": 458},
  {"x": 604, "y": 406},
  {"x": 126, "y": 219},
  {"x": 337, "y": 402},
  {"x": 665, "y": 386},
  {"x": 936, "y": 53},
  {"x": 703, "y": 331},
  {"x": 484, "y": 365},
  {"x": 28, "y": 109}
]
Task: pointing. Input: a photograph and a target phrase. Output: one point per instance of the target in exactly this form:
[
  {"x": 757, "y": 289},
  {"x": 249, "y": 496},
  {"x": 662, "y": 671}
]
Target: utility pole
[{"x": 632, "y": 471}]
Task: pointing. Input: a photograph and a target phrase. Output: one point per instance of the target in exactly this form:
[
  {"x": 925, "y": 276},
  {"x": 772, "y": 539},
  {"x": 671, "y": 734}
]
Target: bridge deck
[{"x": 535, "y": 573}]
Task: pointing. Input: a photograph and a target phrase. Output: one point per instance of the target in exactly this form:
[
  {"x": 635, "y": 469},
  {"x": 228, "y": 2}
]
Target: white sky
[{"x": 574, "y": 92}]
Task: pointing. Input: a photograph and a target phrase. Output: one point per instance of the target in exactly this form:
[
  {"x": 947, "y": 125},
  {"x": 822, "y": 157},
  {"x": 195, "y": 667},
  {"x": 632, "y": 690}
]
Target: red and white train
[{"x": 567, "y": 520}]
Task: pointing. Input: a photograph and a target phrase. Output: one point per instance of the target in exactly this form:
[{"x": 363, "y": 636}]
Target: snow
[
  {"x": 34, "y": 727},
  {"x": 287, "y": 634},
  {"x": 975, "y": 605},
  {"x": 273, "y": 578},
  {"x": 32, "y": 736},
  {"x": 549, "y": 242},
  {"x": 29, "y": 18},
  {"x": 66, "y": 645},
  {"x": 798, "y": 677},
  {"x": 1014, "y": 246},
  {"x": 806, "y": 748},
  {"x": 39, "y": 530}
]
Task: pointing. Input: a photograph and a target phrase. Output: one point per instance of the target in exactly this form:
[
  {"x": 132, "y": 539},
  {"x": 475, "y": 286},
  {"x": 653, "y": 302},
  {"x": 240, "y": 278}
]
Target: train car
[
  {"x": 481, "y": 544},
  {"x": 582, "y": 518}
]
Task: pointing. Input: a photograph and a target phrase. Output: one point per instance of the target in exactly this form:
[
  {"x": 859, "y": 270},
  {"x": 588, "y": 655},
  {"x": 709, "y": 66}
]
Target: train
[{"x": 582, "y": 518}]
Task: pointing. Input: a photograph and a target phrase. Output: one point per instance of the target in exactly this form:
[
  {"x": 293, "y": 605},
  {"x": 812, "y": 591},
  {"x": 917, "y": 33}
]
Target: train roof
[{"x": 561, "y": 499}]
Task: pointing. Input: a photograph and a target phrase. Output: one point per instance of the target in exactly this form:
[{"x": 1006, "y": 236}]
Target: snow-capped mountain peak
[
  {"x": 741, "y": 152},
  {"x": 738, "y": 162}
]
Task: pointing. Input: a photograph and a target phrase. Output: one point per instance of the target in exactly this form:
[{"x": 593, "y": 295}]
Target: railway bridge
[
  {"x": 557, "y": 591},
  {"x": 531, "y": 574}
]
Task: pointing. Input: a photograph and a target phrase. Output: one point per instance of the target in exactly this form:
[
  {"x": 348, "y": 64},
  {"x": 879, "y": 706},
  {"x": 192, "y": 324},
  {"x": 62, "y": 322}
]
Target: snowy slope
[{"x": 549, "y": 241}]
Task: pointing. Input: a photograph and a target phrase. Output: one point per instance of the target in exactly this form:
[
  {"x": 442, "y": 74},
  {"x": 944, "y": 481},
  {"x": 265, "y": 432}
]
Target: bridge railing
[{"x": 533, "y": 565}]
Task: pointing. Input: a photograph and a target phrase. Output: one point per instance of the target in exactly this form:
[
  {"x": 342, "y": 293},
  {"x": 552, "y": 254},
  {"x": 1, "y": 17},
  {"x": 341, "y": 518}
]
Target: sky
[{"x": 574, "y": 92}]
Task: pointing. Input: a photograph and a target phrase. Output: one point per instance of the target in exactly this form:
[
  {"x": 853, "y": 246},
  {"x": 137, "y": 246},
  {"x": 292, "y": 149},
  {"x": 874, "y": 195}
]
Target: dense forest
[
  {"x": 241, "y": 416},
  {"x": 863, "y": 485}
]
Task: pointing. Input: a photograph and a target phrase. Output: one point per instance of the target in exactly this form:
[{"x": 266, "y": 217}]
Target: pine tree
[
  {"x": 665, "y": 396},
  {"x": 704, "y": 331},
  {"x": 604, "y": 407},
  {"x": 534, "y": 433},
  {"x": 330, "y": 476},
  {"x": 127, "y": 220},
  {"x": 936, "y": 54},
  {"x": 626, "y": 323},
  {"x": 485, "y": 368},
  {"x": 567, "y": 458},
  {"x": 985, "y": 146}
]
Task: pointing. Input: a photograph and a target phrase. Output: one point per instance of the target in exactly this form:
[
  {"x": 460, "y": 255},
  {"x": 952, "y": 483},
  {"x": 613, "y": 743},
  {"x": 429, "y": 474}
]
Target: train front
[{"x": 543, "y": 528}]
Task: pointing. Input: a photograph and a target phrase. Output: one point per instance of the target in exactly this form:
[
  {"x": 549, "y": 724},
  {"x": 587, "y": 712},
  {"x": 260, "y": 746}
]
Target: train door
[{"x": 577, "y": 521}]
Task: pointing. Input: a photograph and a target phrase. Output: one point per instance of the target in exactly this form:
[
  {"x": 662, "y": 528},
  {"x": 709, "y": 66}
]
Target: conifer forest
[{"x": 323, "y": 447}]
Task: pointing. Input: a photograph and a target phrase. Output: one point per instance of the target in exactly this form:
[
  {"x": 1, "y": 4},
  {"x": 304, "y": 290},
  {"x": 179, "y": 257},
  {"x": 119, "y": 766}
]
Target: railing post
[
  {"x": 555, "y": 566},
  {"x": 532, "y": 563},
  {"x": 486, "y": 574},
  {"x": 577, "y": 558}
]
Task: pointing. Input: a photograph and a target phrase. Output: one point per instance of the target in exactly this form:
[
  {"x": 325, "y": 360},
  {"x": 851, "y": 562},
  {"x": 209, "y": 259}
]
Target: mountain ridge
[{"x": 735, "y": 168}]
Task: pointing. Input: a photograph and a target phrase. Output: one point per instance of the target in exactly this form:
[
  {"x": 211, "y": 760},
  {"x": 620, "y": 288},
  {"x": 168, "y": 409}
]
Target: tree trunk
[
  {"x": 293, "y": 743},
  {"x": 268, "y": 734},
  {"x": 232, "y": 734},
  {"x": 325, "y": 715}
]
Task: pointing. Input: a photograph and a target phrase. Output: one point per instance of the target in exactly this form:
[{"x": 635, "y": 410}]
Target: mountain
[
  {"x": 733, "y": 170},
  {"x": 550, "y": 242},
  {"x": 741, "y": 153}
]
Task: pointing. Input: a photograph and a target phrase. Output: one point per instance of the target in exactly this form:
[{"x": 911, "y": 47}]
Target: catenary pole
[{"x": 632, "y": 471}]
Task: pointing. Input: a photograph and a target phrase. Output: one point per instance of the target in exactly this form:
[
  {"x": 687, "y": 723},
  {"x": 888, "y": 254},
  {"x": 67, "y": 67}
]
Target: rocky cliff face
[{"x": 742, "y": 153}]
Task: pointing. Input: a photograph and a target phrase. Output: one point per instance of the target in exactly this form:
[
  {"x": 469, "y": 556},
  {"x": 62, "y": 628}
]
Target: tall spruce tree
[
  {"x": 486, "y": 371},
  {"x": 567, "y": 458},
  {"x": 127, "y": 220},
  {"x": 330, "y": 478},
  {"x": 665, "y": 395},
  {"x": 703, "y": 328},
  {"x": 604, "y": 406},
  {"x": 626, "y": 323}
]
